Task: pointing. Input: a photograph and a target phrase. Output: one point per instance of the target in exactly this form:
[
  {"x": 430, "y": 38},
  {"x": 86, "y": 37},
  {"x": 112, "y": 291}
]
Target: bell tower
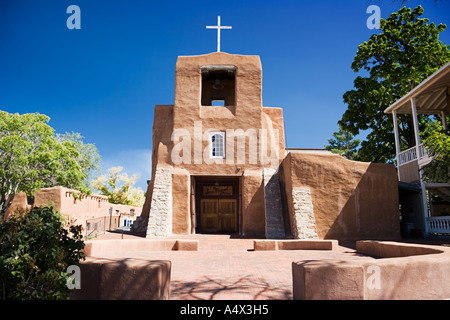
[
  {"x": 222, "y": 90},
  {"x": 214, "y": 150}
]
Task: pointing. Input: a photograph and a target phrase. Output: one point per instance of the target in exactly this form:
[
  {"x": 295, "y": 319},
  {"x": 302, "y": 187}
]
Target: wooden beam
[{"x": 431, "y": 101}]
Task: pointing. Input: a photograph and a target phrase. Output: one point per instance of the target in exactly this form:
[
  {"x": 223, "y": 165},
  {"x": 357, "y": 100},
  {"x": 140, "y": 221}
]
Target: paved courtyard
[{"x": 228, "y": 269}]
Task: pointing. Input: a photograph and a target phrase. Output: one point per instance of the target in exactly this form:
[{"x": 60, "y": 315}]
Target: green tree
[
  {"x": 119, "y": 187},
  {"x": 344, "y": 144},
  {"x": 89, "y": 159},
  {"x": 407, "y": 51},
  {"x": 437, "y": 143},
  {"x": 36, "y": 250},
  {"x": 32, "y": 157}
]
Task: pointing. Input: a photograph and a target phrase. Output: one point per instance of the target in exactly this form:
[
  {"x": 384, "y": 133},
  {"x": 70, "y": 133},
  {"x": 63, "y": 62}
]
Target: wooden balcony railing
[
  {"x": 440, "y": 225},
  {"x": 411, "y": 155}
]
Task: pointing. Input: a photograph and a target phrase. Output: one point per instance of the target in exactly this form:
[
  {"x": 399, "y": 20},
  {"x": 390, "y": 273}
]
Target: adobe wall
[
  {"x": 82, "y": 208},
  {"x": 78, "y": 210},
  {"x": 253, "y": 217},
  {"x": 162, "y": 142},
  {"x": 330, "y": 197},
  {"x": 182, "y": 222},
  {"x": 273, "y": 121},
  {"x": 20, "y": 203}
]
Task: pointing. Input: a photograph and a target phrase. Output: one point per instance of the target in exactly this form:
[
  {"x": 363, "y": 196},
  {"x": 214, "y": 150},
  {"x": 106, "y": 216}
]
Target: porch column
[
  {"x": 416, "y": 127},
  {"x": 422, "y": 183},
  {"x": 397, "y": 139}
]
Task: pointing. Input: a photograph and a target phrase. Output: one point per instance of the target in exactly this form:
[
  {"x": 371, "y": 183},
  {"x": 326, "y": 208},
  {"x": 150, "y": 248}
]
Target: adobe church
[{"x": 219, "y": 165}]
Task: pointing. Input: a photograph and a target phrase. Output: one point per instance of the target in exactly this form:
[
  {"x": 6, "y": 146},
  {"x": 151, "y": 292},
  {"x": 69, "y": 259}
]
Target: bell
[{"x": 217, "y": 85}]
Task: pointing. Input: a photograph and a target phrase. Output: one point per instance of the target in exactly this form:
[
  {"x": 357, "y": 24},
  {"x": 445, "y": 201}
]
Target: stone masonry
[
  {"x": 273, "y": 205},
  {"x": 304, "y": 222},
  {"x": 160, "y": 217}
]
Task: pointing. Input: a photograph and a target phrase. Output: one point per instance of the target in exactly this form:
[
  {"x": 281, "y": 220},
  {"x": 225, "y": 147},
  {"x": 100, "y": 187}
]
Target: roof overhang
[{"x": 431, "y": 95}]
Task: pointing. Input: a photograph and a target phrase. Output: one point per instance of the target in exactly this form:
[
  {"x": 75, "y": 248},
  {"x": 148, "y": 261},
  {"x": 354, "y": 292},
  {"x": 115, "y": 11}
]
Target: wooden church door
[{"x": 219, "y": 215}]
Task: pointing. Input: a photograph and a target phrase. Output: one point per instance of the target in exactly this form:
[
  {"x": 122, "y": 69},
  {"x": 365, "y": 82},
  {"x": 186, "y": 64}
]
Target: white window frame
[{"x": 213, "y": 146}]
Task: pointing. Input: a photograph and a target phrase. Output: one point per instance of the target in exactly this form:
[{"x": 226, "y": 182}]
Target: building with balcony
[{"x": 424, "y": 202}]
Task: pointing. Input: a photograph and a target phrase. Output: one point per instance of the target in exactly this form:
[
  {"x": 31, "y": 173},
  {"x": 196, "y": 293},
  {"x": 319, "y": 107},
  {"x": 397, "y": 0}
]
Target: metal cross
[{"x": 218, "y": 27}]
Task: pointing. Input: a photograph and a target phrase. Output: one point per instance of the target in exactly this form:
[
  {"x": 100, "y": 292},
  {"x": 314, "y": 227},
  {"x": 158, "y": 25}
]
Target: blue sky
[{"x": 104, "y": 79}]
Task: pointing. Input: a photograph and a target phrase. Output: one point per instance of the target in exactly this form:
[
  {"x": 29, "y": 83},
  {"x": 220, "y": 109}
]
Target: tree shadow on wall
[{"x": 244, "y": 288}]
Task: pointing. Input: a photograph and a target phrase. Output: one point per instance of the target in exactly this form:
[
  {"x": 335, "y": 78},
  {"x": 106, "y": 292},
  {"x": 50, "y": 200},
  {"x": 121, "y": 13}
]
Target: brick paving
[{"x": 228, "y": 269}]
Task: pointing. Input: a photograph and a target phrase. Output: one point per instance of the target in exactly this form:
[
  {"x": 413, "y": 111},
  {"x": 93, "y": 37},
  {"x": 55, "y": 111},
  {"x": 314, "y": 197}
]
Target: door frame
[{"x": 199, "y": 181}]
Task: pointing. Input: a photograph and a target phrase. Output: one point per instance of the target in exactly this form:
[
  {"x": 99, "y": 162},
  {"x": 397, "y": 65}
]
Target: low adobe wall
[
  {"x": 405, "y": 271},
  {"x": 127, "y": 279},
  {"x": 76, "y": 209},
  {"x": 102, "y": 248},
  {"x": 19, "y": 204},
  {"x": 83, "y": 207},
  {"x": 265, "y": 245}
]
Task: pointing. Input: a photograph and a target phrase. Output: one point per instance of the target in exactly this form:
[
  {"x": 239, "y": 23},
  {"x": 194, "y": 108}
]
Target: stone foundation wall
[
  {"x": 160, "y": 217},
  {"x": 304, "y": 226}
]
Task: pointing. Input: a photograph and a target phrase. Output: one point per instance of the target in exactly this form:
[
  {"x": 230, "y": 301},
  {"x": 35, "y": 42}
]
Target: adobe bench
[
  {"x": 394, "y": 271},
  {"x": 100, "y": 248},
  {"x": 297, "y": 244},
  {"x": 127, "y": 279}
]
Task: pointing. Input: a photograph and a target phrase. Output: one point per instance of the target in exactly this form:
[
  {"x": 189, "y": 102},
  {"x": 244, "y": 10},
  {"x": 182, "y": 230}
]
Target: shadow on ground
[{"x": 244, "y": 288}]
